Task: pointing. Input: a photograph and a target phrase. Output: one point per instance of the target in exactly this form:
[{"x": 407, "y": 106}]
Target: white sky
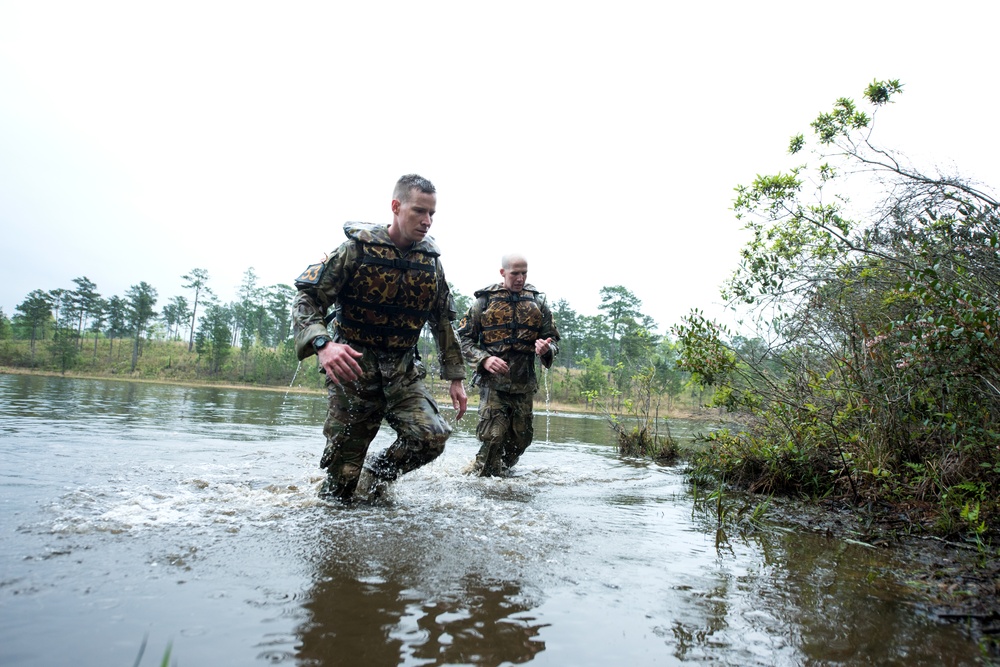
[{"x": 140, "y": 140}]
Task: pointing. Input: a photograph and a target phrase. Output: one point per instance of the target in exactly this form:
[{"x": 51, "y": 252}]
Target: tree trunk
[
  {"x": 135, "y": 350},
  {"x": 194, "y": 314}
]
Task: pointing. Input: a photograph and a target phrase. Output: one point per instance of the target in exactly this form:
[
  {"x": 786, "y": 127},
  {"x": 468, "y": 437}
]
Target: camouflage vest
[
  {"x": 511, "y": 321},
  {"x": 389, "y": 298}
]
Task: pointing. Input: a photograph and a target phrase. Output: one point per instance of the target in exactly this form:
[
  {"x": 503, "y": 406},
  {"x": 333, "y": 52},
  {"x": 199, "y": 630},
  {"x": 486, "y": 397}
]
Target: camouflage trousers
[
  {"x": 505, "y": 430},
  {"x": 391, "y": 388}
]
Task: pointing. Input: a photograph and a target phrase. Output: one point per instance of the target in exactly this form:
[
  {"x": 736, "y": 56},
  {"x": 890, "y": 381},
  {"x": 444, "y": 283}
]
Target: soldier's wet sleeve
[
  {"x": 449, "y": 350},
  {"x": 549, "y": 331},
  {"x": 318, "y": 287},
  {"x": 469, "y": 331}
]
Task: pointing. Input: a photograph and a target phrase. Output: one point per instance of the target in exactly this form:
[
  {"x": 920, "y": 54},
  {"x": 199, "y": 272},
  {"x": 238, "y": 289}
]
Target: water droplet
[{"x": 548, "y": 413}]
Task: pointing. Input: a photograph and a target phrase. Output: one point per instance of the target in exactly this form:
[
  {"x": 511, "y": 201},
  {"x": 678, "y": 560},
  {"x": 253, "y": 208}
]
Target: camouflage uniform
[
  {"x": 506, "y": 324},
  {"x": 379, "y": 298}
]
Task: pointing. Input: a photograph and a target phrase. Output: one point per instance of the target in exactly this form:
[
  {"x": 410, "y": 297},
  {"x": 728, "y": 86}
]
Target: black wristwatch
[{"x": 319, "y": 342}]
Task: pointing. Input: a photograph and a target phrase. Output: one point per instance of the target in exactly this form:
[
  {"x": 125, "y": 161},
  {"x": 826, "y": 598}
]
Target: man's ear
[{"x": 395, "y": 206}]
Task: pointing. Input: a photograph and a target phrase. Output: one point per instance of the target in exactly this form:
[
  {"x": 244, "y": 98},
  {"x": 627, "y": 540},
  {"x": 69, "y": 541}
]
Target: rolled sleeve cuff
[
  {"x": 452, "y": 372},
  {"x": 303, "y": 341}
]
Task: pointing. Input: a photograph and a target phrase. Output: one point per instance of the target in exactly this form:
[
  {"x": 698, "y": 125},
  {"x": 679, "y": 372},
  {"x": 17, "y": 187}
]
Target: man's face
[
  {"x": 415, "y": 215},
  {"x": 515, "y": 275}
]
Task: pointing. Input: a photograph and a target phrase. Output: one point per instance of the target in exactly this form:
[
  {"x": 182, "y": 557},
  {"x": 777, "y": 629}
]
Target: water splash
[
  {"x": 548, "y": 412},
  {"x": 294, "y": 375}
]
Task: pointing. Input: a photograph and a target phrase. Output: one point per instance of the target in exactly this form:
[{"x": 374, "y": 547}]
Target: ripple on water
[{"x": 129, "y": 504}]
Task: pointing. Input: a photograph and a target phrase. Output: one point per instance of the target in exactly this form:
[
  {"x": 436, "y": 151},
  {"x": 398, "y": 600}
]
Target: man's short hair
[
  {"x": 411, "y": 182},
  {"x": 510, "y": 258}
]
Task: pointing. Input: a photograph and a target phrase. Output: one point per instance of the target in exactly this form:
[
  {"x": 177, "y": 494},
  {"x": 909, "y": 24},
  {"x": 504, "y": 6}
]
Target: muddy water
[{"x": 188, "y": 517}]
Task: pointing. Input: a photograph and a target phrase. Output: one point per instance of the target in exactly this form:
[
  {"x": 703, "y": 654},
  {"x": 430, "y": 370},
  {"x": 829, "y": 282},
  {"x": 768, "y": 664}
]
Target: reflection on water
[
  {"x": 377, "y": 620},
  {"x": 190, "y": 515}
]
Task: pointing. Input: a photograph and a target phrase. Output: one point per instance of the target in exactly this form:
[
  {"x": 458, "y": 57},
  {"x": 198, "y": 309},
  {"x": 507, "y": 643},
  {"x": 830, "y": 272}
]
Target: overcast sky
[{"x": 140, "y": 140}]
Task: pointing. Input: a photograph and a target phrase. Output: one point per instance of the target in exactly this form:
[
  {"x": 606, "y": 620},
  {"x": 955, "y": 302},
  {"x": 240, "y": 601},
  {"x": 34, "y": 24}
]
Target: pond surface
[{"x": 188, "y": 517}]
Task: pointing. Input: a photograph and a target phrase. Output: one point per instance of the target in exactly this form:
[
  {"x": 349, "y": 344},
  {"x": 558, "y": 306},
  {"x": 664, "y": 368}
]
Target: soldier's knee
[
  {"x": 435, "y": 446},
  {"x": 426, "y": 449},
  {"x": 491, "y": 429}
]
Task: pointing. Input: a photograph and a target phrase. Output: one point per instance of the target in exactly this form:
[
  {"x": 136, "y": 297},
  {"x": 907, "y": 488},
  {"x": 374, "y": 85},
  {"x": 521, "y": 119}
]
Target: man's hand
[
  {"x": 495, "y": 365},
  {"x": 458, "y": 397},
  {"x": 542, "y": 347},
  {"x": 338, "y": 361}
]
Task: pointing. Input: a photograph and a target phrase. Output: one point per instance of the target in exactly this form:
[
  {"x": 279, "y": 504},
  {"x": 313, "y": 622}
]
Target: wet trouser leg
[
  {"x": 491, "y": 431},
  {"x": 521, "y": 429},
  {"x": 504, "y": 429},
  {"x": 421, "y": 430},
  {"x": 353, "y": 419},
  {"x": 391, "y": 386}
]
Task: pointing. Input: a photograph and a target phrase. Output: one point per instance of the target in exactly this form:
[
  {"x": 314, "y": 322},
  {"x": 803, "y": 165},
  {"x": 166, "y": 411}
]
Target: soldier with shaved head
[{"x": 507, "y": 326}]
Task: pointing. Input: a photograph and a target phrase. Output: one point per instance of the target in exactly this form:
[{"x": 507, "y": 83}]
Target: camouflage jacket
[
  {"x": 505, "y": 324},
  {"x": 344, "y": 280}
]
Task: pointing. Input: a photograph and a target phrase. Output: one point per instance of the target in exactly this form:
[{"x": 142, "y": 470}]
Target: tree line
[
  {"x": 250, "y": 339},
  {"x": 63, "y": 319}
]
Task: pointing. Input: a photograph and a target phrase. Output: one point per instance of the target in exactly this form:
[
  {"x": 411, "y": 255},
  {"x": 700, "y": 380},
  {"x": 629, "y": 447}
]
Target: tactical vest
[
  {"x": 389, "y": 298},
  {"x": 511, "y": 321}
]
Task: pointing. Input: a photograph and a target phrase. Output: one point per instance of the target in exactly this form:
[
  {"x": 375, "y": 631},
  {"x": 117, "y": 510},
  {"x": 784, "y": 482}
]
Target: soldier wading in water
[
  {"x": 507, "y": 326},
  {"x": 379, "y": 288}
]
